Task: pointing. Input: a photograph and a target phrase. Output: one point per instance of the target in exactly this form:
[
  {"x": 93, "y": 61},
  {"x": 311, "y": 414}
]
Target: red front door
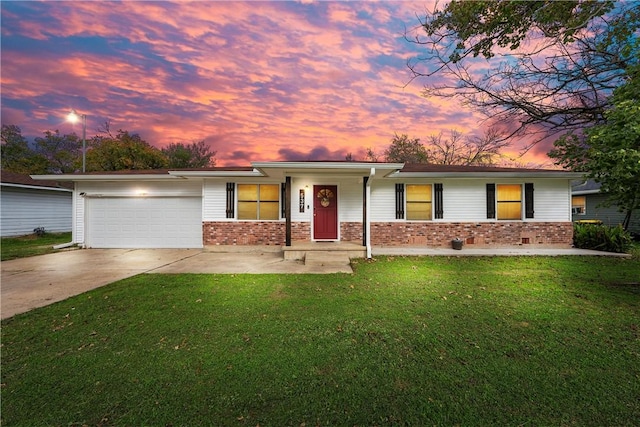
[{"x": 325, "y": 212}]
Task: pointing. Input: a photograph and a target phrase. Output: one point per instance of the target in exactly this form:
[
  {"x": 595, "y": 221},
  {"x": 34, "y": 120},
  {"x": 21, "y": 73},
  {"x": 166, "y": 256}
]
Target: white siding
[
  {"x": 172, "y": 188},
  {"x": 464, "y": 200},
  {"x": 305, "y": 184},
  {"x": 214, "y": 201},
  {"x": 23, "y": 209},
  {"x": 383, "y": 201},
  {"x": 350, "y": 202},
  {"x": 551, "y": 200}
]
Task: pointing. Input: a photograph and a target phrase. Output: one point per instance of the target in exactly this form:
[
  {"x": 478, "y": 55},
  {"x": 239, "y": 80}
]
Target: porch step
[{"x": 326, "y": 258}]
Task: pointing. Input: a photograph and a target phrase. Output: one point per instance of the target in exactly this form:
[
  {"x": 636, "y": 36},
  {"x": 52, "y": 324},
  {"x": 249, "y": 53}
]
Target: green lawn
[
  {"x": 532, "y": 341},
  {"x": 26, "y": 246}
]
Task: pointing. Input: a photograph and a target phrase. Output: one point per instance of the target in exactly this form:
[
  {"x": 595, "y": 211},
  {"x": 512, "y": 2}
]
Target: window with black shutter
[
  {"x": 491, "y": 200},
  {"x": 283, "y": 197},
  {"x": 399, "y": 201},
  {"x": 439, "y": 208},
  {"x": 231, "y": 189},
  {"x": 528, "y": 200}
]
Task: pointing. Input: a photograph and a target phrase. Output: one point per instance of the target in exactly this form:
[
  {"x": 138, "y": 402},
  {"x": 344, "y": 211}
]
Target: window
[
  {"x": 509, "y": 201},
  {"x": 579, "y": 205},
  {"x": 418, "y": 202},
  {"x": 259, "y": 201}
]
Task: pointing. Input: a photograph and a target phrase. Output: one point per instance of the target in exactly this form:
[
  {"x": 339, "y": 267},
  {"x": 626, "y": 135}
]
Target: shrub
[
  {"x": 39, "y": 231},
  {"x": 601, "y": 238}
]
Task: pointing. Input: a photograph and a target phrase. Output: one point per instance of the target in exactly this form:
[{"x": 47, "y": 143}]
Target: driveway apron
[{"x": 33, "y": 282}]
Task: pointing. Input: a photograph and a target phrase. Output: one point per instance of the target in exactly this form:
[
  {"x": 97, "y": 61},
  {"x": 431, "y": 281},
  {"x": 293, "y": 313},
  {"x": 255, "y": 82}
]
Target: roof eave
[
  {"x": 514, "y": 174},
  {"x": 584, "y": 192},
  {"x": 333, "y": 168},
  {"x": 216, "y": 174},
  {"x": 36, "y": 187},
  {"x": 326, "y": 165},
  {"x": 104, "y": 177}
]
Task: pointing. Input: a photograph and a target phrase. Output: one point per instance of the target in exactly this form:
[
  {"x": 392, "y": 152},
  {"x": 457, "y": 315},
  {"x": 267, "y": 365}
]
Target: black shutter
[
  {"x": 231, "y": 190},
  {"x": 528, "y": 200},
  {"x": 399, "y": 201},
  {"x": 283, "y": 200},
  {"x": 491, "y": 200},
  {"x": 438, "y": 201}
]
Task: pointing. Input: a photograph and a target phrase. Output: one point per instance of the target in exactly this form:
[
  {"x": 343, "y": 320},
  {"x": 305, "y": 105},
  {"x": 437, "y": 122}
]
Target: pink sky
[{"x": 258, "y": 81}]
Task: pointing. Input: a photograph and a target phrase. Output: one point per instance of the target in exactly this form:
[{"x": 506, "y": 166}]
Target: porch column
[{"x": 287, "y": 210}]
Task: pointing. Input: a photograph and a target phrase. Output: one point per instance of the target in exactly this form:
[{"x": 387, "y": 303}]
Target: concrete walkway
[
  {"x": 505, "y": 251},
  {"x": 33, "y": 282}
]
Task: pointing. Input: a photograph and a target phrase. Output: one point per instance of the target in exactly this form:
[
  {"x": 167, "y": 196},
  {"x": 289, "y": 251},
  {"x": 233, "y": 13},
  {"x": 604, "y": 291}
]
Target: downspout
[
  {"x": 367, "y": 224},
  {"x": 79, "y": 200}
]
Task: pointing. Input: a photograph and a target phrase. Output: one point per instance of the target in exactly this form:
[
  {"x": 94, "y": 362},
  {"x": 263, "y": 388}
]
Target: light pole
[{"x": 73, "y": 117}]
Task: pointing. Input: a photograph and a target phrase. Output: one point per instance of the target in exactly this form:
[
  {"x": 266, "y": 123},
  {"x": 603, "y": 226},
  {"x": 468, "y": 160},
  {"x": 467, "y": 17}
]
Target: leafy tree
[
  {"x": 17, "y": 156},
  {"x": 62, "y": 152},
  {"x": 609, "y": 153},
  {"x": 461, "y": 150},
  {"x": 194, "y": 155},
  {"x": 549, "y": 66},
  {"x": 123, "y": 152},
  {"x": 406, "y": 150}
]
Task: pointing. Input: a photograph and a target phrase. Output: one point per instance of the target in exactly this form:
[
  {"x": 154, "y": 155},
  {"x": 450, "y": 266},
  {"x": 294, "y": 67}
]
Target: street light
[{"x": 73, "y": 117}]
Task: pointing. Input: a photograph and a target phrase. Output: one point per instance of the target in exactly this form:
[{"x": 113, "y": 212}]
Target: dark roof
[
  {"x": 423, "y": 167},
  {"x": 589, "y": 185},
  {"x": 21, "y": 179}
]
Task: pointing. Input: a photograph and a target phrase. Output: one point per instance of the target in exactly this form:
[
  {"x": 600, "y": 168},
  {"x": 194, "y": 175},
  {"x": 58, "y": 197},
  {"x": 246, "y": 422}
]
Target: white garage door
[{"x": 156, "y": 222}]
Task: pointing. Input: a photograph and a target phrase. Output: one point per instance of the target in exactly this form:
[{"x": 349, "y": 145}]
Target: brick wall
[
  {"x": 252, "y": 232},
  {"x": 243, "y": 233},
  {"x": 351, "y": 232},
  {"x": 481, "y": 233},
  {"x": 395, "y": 233},
  {"x": 300, "y": 231}
]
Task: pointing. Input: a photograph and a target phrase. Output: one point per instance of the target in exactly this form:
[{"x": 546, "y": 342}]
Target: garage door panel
[{"x": 162, "y": 222}]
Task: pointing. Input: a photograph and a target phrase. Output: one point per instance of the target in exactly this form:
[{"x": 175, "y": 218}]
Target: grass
[
  {"x": 403, "y": 341},
  {"x": 31, "y": 245}
]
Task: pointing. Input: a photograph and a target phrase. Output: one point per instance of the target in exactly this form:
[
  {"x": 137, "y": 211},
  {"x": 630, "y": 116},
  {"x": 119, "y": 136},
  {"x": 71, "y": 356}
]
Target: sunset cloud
[{"x": 256, "y": 80}]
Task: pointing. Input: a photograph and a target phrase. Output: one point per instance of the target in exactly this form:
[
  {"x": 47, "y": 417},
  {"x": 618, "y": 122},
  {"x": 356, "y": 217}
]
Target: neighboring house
[
  {"x": 282, "y": 203},
  {"x": 26, "y": 204},
  {"x": 586, "y": 200}
]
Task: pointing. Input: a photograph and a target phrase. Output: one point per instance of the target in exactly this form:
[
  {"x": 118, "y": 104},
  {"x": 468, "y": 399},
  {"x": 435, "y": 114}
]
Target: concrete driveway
[
  {"x": 33, "y": 282},
  {"x": 37, "y": 281}
]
